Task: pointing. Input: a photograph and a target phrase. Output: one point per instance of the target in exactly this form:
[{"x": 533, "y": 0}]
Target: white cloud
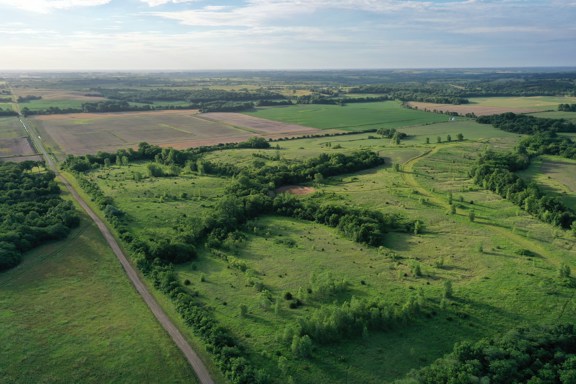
[
  {"x": 44, "y": 6},
  {"x": 155, "y": 3}
]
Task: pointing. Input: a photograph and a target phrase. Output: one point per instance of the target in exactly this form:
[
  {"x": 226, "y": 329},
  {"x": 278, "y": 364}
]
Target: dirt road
[{"x": 199, "y": 368}]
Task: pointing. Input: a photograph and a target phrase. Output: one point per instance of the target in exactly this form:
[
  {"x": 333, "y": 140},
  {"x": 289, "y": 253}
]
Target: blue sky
[{"x": 285, "y": 34}]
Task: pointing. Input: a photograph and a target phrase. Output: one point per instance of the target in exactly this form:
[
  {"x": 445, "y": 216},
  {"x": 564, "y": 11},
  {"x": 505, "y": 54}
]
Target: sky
[{"x": 285, "y": 34}]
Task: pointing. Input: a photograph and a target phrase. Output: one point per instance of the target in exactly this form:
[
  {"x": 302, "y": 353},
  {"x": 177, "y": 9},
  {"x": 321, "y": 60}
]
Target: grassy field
[
  {"x": 495, "y": 287},
  {"x": 556, "y": 115},
  {"x": 6, "y": 106},
  {"x": 69, "y": 315},
  {"x": 351, "y": 117},
  {"x": 556, "y": 176}
]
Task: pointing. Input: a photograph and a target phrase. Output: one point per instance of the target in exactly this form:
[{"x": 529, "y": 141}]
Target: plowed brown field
[{"x": 89, "y": 133}]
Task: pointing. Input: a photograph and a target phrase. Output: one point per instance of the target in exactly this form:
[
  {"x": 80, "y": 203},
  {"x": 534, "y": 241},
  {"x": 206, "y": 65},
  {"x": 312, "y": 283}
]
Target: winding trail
[
  {"x": 199, "y": 367},
  {"x": 408, "y": 174}
]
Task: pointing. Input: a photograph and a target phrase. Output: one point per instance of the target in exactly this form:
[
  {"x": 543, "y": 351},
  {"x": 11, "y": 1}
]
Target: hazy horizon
[{"x": 261, "y": 35}]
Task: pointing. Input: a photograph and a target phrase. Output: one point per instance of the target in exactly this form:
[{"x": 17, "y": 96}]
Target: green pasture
[
  {"x": 352, "y": 117},
  {"x": 556, "y": 115},
  {"x": 413, "y": 145},
  {"x": 495, "y": 286},
  {"x": 155, "y": 204},
  {"x": 532, "y": 102},
  {"x": 68, "y": 314},
  {"x": 555, "y": 175},
  {"x": 6, "y": 106}
]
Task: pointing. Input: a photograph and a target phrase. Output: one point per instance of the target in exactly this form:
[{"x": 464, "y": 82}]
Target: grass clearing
[
  {"x": 554, "y": 175},
  {"x": 352, "y": 117},
  {"x": 495, "y": 287},
  {"x": 68, "y": 314}
]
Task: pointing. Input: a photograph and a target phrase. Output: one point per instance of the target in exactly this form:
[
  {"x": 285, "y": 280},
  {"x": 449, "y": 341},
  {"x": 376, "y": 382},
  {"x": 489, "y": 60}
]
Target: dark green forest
[{"x": 31, "y": 211}]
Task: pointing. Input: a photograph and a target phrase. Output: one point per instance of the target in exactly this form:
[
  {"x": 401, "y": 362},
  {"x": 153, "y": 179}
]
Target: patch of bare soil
[{"x": 296, "y": 190}]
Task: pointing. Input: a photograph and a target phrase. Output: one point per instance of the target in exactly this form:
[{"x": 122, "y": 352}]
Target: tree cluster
[
  {"x": 567, "y": 107},
  {"x": 512, "y": 122},
  {"x": 548, "y": 143},
  {"x": 354, "y": 318},
  {"x": 31, "y": 211},
  {"x": 495, "y": 171},
  {"x": 539, "y": 354},
  {"x": 7, "y": 112},
  {"x": 25, "y": 99}
]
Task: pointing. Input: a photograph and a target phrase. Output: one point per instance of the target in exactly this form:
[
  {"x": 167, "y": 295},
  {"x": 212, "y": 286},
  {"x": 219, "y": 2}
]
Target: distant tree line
[
  {"x": 567, "y": 107},
  {"x": 512, "y": 122},
  {"x": 7, "y": 112},
  {"x": 25, "y": 99},
  {"x": 150, "y": 96},
  {"x": 111, "y": 106},
  {"x": 31, "y": 211},
  {"x": 538, "y": 354}
]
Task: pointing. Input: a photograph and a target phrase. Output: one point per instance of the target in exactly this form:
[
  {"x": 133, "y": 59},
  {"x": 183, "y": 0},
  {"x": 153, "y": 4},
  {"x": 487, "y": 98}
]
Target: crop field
[
  {"x": 259, "y": 125},
  {"x": 90, "y": 133},
  {"x": 497, "y": 105},
  {"x": 68, "y": 314},
  {"x": 352, "y": 117},
  {"x": 555, "y": 175},
  {"x": 495, "y": 286},
  {"x": 10, "y": 128},
  {"x": 14, "y": 145}
]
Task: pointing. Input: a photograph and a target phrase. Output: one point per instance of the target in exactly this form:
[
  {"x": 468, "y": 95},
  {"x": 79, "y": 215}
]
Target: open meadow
[
  {"x": 329, "y": 250},
  {"x": 502, "y": 265},
  {"x": 69, "y": 315},
  {"x": 556, "y": 175}
]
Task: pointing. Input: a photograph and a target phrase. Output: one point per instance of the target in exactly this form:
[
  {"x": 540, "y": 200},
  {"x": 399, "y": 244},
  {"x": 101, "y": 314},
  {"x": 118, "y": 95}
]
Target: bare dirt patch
[
  {"x": 478, "y": 110},
  {"x": 296, "y": 190},
  {"x": 83, "y": 133},
  {"x": 89, "y": 133}
]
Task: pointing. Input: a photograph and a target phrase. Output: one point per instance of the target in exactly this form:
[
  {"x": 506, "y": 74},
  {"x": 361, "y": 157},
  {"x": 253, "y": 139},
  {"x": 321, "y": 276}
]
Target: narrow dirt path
[
  {"x": 409, "y": 177},
  {"x": 199, "y": 368}
]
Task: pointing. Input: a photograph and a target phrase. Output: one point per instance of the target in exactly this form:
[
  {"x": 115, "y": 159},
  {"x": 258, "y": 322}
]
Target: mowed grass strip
[
  {"x": 69, "y": 315},
  {"x": 352, "y": 117}
]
